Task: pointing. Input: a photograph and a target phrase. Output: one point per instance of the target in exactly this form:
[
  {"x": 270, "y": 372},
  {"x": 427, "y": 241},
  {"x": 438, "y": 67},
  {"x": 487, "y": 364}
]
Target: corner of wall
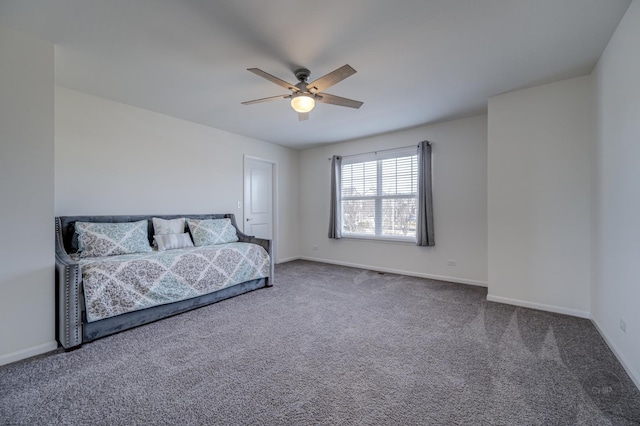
[
  {"x": 27, "y": 311},
  {"x": 615, "y": 292}
]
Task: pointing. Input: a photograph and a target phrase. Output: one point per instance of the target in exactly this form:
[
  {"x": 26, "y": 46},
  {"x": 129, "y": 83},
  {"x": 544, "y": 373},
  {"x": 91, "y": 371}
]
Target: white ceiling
[{"x": 418, "y": 61}]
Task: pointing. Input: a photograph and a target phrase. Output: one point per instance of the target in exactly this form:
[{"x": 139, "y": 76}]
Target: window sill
[{"x": 391, "y": 240}]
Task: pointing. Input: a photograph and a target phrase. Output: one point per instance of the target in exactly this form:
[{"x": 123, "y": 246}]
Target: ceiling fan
[{"x": 304, "y": 95}]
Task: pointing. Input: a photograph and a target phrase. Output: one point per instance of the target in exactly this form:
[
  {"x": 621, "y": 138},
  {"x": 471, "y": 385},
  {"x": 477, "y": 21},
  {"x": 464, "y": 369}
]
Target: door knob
[{"x": 248, "y": 219}]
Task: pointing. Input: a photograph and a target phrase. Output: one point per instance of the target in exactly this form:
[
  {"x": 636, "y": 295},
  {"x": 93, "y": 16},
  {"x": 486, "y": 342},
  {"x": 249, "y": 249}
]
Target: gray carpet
[{"x": 334, "y": 345}]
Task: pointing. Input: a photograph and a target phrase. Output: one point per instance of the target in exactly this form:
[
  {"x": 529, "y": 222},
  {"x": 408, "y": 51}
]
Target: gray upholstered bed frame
[{"x": 72, "y": 329}]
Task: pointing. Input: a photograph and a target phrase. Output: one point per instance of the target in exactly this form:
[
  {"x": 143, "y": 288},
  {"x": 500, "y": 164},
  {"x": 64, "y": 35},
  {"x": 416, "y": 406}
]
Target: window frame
[{"x": 379, "y": 197}]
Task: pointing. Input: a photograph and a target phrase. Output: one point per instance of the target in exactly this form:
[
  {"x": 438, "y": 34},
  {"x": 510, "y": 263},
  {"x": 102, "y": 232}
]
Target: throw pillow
[
  {"x": 168, "y": 226},
  {"x": 110, "y": 239},
  {"x": 212, "y": 231},
  {"x": 173, "y": 241}
]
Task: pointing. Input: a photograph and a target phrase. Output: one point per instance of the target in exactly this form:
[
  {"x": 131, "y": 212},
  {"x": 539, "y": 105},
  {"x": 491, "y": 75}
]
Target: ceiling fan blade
[
  {"x": 303, "y": 116},
  {"x": 273, "y": 79},
  {"x": 330, "y": 79},
  {"x": 337, "y": 100},
  {"x": 271, "y": 98}
]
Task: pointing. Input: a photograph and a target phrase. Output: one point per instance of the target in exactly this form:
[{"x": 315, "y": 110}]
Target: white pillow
[
  {"x": 164, "y": 226},
  {"x": 173, "y": 241}
]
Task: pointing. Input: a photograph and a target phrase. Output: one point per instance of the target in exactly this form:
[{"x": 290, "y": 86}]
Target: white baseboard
[
  {"x": 27, "y": 353},
  {"x": 287, "y": 259},
  {"x": 398, "y": 271},
  {"x": 540, "y": 306},
  {"x": 634, "y": 375}
]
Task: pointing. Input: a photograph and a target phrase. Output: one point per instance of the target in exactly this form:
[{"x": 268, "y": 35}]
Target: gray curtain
[
  {"x": 335, "y": 230},
  {"x": 424, "y": 230}
]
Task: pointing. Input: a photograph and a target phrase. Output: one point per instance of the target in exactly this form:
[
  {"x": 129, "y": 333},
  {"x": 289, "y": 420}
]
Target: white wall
[
  {"x": 616, "y": 248},
  {"x": 540, "y": 151},
  {"x": 26, "y": 196},
  {"x": 459, "y": 197},
  {"x": 112, "y": 158}
]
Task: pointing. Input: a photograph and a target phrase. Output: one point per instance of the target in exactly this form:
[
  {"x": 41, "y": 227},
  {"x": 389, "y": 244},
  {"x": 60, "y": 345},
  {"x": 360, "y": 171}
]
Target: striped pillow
[{"x": 173, "y": 241}]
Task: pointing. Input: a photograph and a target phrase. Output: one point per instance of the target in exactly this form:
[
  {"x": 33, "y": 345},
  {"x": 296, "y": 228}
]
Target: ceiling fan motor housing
[{"x": 302, "y": 74}]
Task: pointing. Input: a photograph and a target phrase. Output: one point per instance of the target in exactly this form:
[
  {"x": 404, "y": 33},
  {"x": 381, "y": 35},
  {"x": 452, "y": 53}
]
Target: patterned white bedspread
[{"x": 114, "y": 285}]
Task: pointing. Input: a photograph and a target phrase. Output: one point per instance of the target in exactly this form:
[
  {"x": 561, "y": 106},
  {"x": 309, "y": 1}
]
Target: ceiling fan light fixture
[
  {"x": 304, "y": 95},
  {"x": 302, "y": 102}
]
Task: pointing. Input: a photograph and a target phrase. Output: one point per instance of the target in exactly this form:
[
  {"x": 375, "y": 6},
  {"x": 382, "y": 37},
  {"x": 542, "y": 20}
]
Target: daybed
[{"x": 86, "y": 314}]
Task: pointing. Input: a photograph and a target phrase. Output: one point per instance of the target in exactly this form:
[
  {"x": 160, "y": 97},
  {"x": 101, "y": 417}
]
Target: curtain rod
[{"x": 379, "y": 150}]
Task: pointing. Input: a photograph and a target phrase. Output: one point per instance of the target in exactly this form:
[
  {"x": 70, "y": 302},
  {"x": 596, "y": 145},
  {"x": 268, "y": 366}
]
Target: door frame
[{"x": 274, "y": 199}]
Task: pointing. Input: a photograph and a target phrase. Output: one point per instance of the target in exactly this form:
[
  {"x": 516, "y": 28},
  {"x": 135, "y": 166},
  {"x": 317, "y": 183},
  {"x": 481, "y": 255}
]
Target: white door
[{"x": 258, "y": 198}]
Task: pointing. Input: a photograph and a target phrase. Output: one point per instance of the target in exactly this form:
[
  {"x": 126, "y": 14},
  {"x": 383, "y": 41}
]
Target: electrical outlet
[
  {"x": 623, "y": 326},
  {"x": 451, "y": 262},
  {"x": 315, "y": 248}
]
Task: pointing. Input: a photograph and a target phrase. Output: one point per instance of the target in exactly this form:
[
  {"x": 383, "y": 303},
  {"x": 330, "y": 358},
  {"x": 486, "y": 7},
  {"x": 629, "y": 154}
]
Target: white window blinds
[{"x": 379, "y": 193}]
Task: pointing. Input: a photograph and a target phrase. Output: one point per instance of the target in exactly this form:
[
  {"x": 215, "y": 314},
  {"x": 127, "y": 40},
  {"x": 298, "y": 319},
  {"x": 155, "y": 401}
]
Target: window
[{"x": 378, "y": 194}]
